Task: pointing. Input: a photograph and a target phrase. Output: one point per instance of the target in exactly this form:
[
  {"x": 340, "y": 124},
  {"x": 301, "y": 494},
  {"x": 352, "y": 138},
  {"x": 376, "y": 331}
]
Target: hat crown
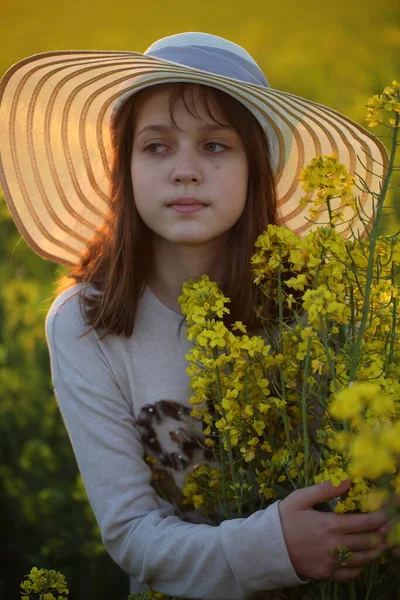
[
  {"x": 196, "y": 38},
  {"x": 211, "y": 53}
]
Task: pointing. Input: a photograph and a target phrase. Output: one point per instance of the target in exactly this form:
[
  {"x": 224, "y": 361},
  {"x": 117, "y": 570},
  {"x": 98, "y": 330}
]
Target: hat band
[{"x": 217, "y": 61}]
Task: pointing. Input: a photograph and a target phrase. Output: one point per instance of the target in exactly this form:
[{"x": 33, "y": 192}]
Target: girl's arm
[{"x": 140, "y": 530}]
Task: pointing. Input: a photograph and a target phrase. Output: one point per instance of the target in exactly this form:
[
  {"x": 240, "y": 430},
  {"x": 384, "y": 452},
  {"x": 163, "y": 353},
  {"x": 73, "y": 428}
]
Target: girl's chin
[{"x": 192, "y": 239}]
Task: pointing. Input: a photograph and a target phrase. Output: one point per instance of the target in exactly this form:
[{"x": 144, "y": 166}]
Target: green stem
[
  {"x": 371, "y": 258},
  {"x": 371, "y": 580},
  {"x": 283, "y": 386},
  {"x": 233, "y": 471},
  {"x": 250, "y": 474},
  {"x": 353, "y": 593},
  {"x": 304, "y": 390},
  {"x": 394, "y": 325},
  {"x": 328, "y": 203},
  {"x": 290, "y": 479},
  {"x": 228, "y": 441},
  {"x": 289, "y": 442},
  {"x": 251, "y": 479},
  {"x": 352, "y": 321},
  {"x": 332, "y": 369},
  {"x": 331, "y": 363},
  {"x": 225, "y": 509},
  {"x": 304, "y": 413}
]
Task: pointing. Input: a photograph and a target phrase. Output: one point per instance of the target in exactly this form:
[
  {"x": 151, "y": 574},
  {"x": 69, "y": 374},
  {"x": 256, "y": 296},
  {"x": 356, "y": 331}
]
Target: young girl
[{"x": 141, "y": 172}]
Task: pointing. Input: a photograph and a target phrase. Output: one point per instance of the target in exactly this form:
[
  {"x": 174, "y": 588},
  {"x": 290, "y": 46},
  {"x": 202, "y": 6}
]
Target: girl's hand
[{"x": 311, "y": 535}]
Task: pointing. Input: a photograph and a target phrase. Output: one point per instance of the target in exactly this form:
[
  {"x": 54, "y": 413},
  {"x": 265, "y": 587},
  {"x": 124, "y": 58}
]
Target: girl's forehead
[{"x": 190, "y": 103}]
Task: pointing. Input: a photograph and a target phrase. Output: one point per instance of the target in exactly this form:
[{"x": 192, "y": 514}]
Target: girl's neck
[{"x": 175, "y": 264}]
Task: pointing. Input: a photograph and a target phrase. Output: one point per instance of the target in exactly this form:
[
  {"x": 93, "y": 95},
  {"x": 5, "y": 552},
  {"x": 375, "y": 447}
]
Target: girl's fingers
[
  {"x": 363, "y": 541},
  {"x": 362, "y": 523},
  {"x": 354, "y": 565},
  {"x": 384, "y": 529},
  {"x": 362, "y": 558}
]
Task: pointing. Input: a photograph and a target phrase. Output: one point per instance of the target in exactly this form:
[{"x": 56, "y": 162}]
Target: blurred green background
[{"x": 338, "y": 53}]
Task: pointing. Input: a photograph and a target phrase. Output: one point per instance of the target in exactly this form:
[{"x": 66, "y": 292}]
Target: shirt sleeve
[{"x": 139, "y": 530}]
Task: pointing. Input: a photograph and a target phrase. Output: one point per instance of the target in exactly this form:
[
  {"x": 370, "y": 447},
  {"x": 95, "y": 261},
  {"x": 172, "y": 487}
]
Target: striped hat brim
[{"x": 55, "y": 160}]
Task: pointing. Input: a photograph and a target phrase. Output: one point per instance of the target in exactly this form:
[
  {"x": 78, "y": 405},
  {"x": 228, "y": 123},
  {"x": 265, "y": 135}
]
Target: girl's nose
[{"x": 186, "y": 169}]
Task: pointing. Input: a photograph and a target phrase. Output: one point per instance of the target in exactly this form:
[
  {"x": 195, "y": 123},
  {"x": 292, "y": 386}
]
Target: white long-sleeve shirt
[{"x": 118, "y": 394}]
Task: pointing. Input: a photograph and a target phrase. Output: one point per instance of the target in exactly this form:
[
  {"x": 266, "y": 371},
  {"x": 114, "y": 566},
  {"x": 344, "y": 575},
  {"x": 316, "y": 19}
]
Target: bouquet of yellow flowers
[{"x": 316, "y": 395}]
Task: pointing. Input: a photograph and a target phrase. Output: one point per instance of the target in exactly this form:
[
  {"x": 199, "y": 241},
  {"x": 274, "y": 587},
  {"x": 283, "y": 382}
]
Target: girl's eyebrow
[{"x": 166, "y": 128}]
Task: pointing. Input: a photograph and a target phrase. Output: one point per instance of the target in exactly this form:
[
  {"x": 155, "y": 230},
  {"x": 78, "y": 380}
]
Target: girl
[{"x": 141, "y": 172}]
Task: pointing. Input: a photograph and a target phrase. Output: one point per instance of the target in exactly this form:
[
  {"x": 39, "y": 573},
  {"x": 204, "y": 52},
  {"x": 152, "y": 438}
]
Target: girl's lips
[{"x": 187, "y": 208}]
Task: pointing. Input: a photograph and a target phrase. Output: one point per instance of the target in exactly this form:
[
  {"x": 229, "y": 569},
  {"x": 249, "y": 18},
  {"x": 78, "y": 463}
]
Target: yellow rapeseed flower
[
  {"x": 374, "y": 500},
  {"x": 321, "y": 304},
  {"x": 369, "y": 458},
  {"x": 351, "y": 401},
  {"x": 388, "y": 101},
  {"x": 394, "y": 534},
  {"x": 330, "y": 180}
]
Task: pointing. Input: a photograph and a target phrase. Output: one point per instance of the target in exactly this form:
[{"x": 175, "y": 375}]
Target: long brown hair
[{"x": 118, "y": 258}]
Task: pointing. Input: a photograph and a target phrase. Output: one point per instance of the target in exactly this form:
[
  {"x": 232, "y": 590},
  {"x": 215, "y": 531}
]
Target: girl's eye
[
  {"x": 154, "y": 148},
  {"x": 158, "y": 147},
  {"x": 214, "y": 144}
]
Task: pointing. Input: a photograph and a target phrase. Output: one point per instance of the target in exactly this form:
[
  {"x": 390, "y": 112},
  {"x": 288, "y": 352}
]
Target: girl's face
[{"x": 199, "y": 163}]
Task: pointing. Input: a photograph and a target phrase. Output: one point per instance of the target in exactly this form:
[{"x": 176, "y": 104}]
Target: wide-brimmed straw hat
[{"x": 55, "y": 140}]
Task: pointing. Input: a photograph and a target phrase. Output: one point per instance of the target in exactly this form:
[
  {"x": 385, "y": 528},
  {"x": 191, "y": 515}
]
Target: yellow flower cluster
[
  {"x": 244, "y": 388},
  {"x": 47, "y": 584},
  {"x": 359, "y": 399},
  {"x": 203, "y": 488},
  {"x": 388, "y": 101},
  {"x": 231, "y": 375},
  {"x": 325, "y": 181},
  {"x": 323, "y": 303},
  {"x": 370, "y": 447}
]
